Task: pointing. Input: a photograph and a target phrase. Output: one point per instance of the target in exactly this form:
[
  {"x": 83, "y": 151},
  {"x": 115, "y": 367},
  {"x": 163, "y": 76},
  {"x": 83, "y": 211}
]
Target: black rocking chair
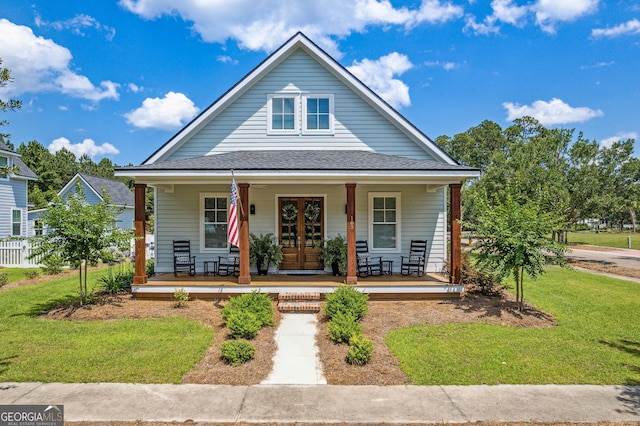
[
  {"x": 367, "y": 264},
  {"x": 416, "y": 261},
  {"x": 182, "y": 259},
  {"x": 230, "y": 264}
]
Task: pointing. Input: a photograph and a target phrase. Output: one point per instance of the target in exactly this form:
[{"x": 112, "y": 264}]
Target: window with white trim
[
  {"x": 16, "y": 223},
  {"x": 282, "y": 111},
  {"x": 213, "y": 221},
  {"x": 297, "y": 113},
  {"x": 4, "y": 162},
  {"x": 38, "y": 227},
  {"x": 317, "y": 114},
  {"x": 384, "y": 221}
]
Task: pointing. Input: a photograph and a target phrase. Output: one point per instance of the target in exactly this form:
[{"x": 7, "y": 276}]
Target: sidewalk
[{"x": 331, "y": 404}]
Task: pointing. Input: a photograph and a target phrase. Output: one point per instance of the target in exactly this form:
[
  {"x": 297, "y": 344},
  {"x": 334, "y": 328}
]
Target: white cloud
[
  {"x": 607, "y": 142},
  {"x": 447, "y": 66},
  {"x": 225, "y": 59},
  {"x": 598, "y": 65},
  {"x": 628, "y": 28},
  {"x": 378, "y": 75},
  {"x": 504, "y": 11},
  {"x": 550, "y": 113},
  {"x": 87, "y": 146},
  {"x": 265, "y": 25},
  {"x": 134, "y": 88},
  {"x": 77, "y": 25},
  {"x": 40, "y": 65},
  {"x": 549, "y": 12},
  {"x": 167, "y": 113}
]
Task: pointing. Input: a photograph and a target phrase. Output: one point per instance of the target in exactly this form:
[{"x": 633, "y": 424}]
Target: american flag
[{"x": 232, "y": 230}]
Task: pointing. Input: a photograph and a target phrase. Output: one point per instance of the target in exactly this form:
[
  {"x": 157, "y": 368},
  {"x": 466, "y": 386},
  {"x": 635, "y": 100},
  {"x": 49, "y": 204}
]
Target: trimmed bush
[
  {"x": 237, "y": 352},
  {"x": 150, "y": 268},
  {"x": 343, "y": 327},
  {"x": 258, "y": 304},
  {"x": 243, "y": 324},
  {"x": 31, "y": 274},
  {"x": 180, "y": 297},
  {"x": 4, "y": 278},
  {"x": 117, "y": 281},
  {"x": 360, "y": 351},
  {"x": 346, "y": 300}
]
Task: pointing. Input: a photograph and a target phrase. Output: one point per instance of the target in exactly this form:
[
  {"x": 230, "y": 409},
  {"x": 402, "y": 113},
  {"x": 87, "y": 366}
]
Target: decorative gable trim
[{"x": 299, "y": 41}]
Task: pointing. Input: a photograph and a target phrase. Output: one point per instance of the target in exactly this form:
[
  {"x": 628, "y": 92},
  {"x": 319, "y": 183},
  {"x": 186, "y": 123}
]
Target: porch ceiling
[{"x": 271, "y": 166}]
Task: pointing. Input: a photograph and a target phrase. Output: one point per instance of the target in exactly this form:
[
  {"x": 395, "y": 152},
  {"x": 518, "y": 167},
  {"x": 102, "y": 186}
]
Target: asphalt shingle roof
[
  {"x": 301, "y": 160},
  {"x": 120, "y": 194},
  {"x": 23, "y": 170}
]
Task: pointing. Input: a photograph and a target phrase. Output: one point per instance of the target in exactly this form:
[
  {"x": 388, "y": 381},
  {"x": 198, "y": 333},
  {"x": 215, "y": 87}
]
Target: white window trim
[
  {"x": 306, "y": 131},
  {"x": 398, "y": 248},
  {"x": 6, "y": 175},
  {"x": 13, "y": 223},
  {"x": 296, "y": 117},
  {"x": 204, "y": 195}
]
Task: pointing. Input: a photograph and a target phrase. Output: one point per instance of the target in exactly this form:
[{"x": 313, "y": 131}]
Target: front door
[{"x": 301, "y": 227}]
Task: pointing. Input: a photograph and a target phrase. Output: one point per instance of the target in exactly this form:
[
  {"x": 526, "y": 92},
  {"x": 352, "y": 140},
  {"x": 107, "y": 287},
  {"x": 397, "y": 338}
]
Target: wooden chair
[
  {"x": 367, "y": 264},
  {"x": 230, "y": 264},
  {"x": 417, "y": 259},
  {"x": 182, "y": 259}
]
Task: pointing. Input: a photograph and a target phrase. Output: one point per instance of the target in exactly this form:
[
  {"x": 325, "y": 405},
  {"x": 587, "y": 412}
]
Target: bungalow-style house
[
  {"x": 94, "y": 188},
  {"x": 315, "y": 153},
  {"x": 14, "y": 178}
]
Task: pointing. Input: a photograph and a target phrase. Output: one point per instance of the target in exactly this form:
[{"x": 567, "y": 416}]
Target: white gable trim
[
  {"x": 300, "y": 41},
  {"x": 72, "y": 182}
]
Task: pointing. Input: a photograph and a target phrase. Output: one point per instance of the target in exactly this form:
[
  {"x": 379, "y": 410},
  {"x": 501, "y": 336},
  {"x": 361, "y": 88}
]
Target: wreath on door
[
  {"x": 312, "y": 212},
  {"x": 289, "y": 212}
]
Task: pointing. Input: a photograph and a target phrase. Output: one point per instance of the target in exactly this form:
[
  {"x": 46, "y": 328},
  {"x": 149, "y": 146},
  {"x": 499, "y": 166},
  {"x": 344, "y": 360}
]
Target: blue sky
[{"x": 117, "y": 78}]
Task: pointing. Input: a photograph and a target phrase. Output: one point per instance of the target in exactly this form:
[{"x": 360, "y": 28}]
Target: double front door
[{"x": 301, "y": 232}]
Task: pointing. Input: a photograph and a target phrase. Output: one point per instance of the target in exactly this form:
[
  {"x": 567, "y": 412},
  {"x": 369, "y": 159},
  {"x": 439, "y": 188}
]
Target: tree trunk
[{"x": 632, "y": 212}]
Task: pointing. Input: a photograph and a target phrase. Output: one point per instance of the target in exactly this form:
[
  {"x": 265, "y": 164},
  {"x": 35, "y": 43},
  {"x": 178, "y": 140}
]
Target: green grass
[
  {"x": 44, "y": 350},
  {"x": 18, "y": 274},
  {"x": 596, "y": 341},
  {"x": 605, "y": 239}
]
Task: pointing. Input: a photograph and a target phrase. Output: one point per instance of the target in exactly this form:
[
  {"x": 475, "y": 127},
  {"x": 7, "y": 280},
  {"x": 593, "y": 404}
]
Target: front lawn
[
  {"x": 18, "y": 274},
  {"x": 144, "y": 351},
  {"x": 605, "y": 239},
  {"x": 596, "y": 341}
]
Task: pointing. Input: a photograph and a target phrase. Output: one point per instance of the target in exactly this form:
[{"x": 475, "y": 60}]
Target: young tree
[
  {"x": 81, "y": 234},
  {"x": 513, "y": 238}
]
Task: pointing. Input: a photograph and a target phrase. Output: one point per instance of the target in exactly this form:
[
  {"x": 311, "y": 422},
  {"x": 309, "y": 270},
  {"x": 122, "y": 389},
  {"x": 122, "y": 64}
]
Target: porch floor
[{"x": 382, "y": 287}]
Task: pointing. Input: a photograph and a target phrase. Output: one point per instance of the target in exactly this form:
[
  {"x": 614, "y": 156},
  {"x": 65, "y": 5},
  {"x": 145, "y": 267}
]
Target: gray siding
[
  {"x": 89, "y": 193},
  {"x": 423, "y": 217},
  {"x": 13, "y": 195},
  {"x": 243, "y": 125}
]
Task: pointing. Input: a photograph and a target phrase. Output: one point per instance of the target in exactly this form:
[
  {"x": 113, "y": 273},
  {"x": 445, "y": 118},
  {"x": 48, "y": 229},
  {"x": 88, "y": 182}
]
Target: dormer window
[
  {"x": 300, "y": 114},
  {"x": 4, "y": 162}
]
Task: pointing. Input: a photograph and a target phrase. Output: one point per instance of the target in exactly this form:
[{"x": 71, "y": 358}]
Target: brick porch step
[{"x": 299, "y": 302}]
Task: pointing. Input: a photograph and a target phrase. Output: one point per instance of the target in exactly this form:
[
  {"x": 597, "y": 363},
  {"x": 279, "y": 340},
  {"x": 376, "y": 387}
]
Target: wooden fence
[{"x": 15, "y": 254}]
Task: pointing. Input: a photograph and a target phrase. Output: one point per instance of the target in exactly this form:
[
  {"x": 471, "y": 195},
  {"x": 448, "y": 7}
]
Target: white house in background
[
  {"x": 316, "y": 153},
  {"x": 94, "y": 188},
  {"x": 13, "y": 193}
]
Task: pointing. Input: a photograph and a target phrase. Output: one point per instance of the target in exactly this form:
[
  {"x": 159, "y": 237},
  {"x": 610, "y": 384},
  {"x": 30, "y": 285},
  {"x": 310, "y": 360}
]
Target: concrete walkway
[
  {"x": 331, "y": 404},
  {"x": 296, "y": 361}
]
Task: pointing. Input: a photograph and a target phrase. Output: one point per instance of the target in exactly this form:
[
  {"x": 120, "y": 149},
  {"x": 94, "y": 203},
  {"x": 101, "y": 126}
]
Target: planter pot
[
  {"x": 335, "y": 268},
  {"x": 262, "y": 270}
]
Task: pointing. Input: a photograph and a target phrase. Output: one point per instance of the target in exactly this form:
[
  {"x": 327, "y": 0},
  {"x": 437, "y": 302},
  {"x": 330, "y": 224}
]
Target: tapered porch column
[
  {"x": 139, "y": 223},
  {"x": 245, "y": 275},
  {"x": 352, "y": 277},
  {"x": 455, "y": 271}
]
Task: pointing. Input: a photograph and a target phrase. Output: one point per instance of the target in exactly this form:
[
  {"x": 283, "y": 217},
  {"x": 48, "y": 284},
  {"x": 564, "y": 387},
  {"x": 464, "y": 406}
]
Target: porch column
[
  {"x": 352, "y": 277},
  {"x": 245, "y": 275},
  {"x": 455, "y": 271},
  {"x": 139, "y": 223}
]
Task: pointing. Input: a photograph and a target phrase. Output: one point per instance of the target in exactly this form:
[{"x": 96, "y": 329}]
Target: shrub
[
  {"x": 31, "y": 274},
  {"x": 243, "y": 324},
  {"x": 52, "y": 265},
  {"x": 257, "y": 303},
  {"x": 343, "y": 327},
  {"x": 346, "y": 299},
  {"x": 181, "y": 297},
  {"x": 4, "y": 278},
  {"x": 237, "y": 352},
  {"x": 117, "y": 281},
  {"x": 477, "y": 276},
  {"x": 360, "y": 351},
  {"x": 151, "y": 268}
]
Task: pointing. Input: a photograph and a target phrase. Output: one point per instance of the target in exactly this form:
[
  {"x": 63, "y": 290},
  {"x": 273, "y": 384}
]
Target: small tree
[
  {"x": 81, "y": 234},
  {"x": 514, "y": 238}
]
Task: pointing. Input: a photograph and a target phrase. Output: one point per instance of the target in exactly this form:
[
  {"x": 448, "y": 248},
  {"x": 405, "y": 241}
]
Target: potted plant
[
  {"x": 334, "y": 253},
  {"x": 264, "y": 251}
]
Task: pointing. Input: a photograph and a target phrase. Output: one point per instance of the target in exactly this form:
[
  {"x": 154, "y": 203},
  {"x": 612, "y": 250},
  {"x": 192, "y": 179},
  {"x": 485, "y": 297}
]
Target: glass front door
[{"x": 301, "y": 232}]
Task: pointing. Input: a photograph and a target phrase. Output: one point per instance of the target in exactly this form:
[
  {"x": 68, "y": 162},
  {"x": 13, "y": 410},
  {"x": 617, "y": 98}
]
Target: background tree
[
  {"x": 80, "y": 234},
  {"x": 8, "y": 105},
  {"x": 512, "y": 238}
]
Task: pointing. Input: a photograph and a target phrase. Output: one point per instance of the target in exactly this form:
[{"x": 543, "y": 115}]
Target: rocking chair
[
  {"x": 230, "y": 264},
  {"x": 416, "y": 261},
  {"x": 182, "y": 259},
  {"x": 367, "y": 265}
]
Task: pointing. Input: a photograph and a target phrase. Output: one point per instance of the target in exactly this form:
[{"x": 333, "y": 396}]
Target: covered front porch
[{"x": 380, "y": 287}]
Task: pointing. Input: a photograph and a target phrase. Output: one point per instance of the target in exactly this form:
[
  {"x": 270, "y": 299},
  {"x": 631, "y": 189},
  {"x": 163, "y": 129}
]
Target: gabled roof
[
  {"x": 23, "y": 171},
  {"x": 300, "y": 41},
  {"x": 119, "y": 193}
]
